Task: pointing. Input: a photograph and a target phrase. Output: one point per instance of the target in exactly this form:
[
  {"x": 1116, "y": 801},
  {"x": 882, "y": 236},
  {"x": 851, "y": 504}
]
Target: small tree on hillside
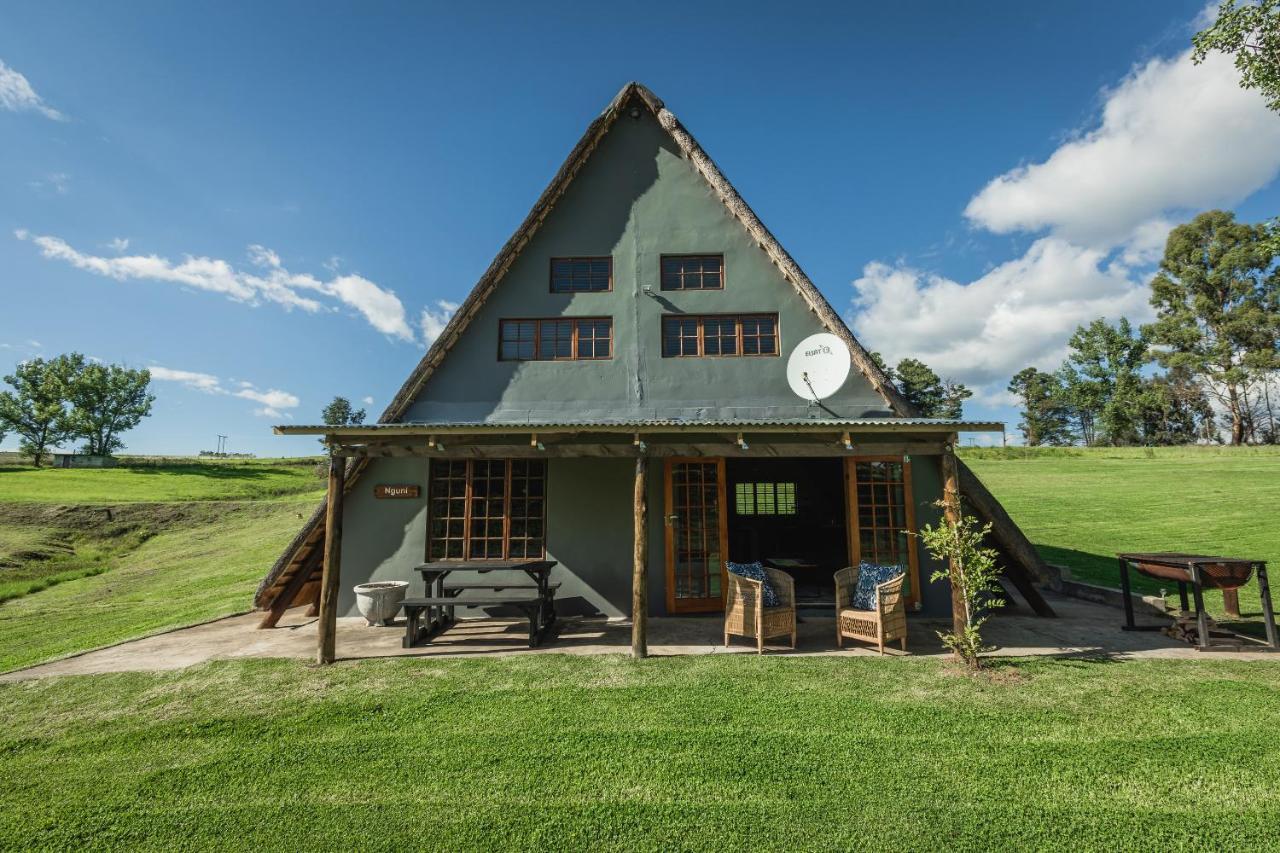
[
  {"x": 340, "y": 413},
  {"x": 108, "y": 400},
  {"x": 1217, "y": 301},
  {"x": 37, "y": 407},
  {"x": 1044, "y": 419},
  {"x": 1250, "y": 32}
]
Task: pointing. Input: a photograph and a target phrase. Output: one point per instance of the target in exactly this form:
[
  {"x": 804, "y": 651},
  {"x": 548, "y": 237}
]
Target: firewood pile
[{"x": 1184, "y": 627}]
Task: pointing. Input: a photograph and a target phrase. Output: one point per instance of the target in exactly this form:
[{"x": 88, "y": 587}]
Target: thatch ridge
[{"x": 302, "y": 551}]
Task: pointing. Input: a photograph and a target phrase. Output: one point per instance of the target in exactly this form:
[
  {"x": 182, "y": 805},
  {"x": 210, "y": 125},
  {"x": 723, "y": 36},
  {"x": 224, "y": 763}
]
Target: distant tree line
[
  {"x": 1216, "y": 334},
  {"x": 72, "y": 398}
]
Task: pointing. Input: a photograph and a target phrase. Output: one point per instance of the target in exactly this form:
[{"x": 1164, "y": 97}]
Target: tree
[
  {"x": 1218, "y": 309},
  {"x": 972, "y": 570},
  {"x": 1102, "y": 380},
  {"x": 37, "y": 407},
  {"x": 1175, "y": 410},
  {"x": 934, "y": 397},
  {"x": 107, "y": 400},
  {"x": 879, "y": 362},
  {"x": 1044, "y": 419},
  {"x": 1250, "y": 32},
  {"x": 340, "y": 413}
]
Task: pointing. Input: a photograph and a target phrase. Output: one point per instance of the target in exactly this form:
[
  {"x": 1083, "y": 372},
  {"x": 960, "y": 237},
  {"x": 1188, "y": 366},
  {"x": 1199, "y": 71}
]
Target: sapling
[{"x": 973, "y": 572}]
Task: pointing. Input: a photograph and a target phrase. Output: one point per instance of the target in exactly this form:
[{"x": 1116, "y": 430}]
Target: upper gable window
[
  {"x": 693, "y": 272},
  {"x": 556, "y": 339},
  {"x": 719, "y": 335},
  {"x": 581, "y": 275}
]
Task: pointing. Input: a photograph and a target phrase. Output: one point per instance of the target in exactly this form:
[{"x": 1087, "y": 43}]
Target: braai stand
[{"x": 1193, "y": 567}]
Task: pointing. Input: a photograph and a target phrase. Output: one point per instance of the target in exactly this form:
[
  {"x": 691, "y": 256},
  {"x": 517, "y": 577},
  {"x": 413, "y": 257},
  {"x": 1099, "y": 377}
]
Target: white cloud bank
[
  {"x": 17, "y": 95},
  {"x": 273, "y": 401},
  {"x": 1172, "y": 138},
  {"x": 265, "y": 280}
]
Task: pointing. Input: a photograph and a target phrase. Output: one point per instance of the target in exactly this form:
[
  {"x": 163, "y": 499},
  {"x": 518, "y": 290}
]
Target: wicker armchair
[
  {"x": 745, "y": 616},
  {"x": 884, "y": 625}
]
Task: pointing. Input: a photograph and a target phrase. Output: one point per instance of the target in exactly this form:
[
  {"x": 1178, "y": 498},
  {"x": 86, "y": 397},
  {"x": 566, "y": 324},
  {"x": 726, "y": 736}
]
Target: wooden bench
[{"x": 426, "y": 617}]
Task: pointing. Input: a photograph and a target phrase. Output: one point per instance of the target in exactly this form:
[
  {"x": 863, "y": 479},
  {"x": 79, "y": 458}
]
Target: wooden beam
[
  {"x": 640, "y": 564},
  {"x": 286, "y": 597},
  {"x": 327, "y": 628},
  {"x": 613, "y": 450},
  {"x": 951, "y": 509}
]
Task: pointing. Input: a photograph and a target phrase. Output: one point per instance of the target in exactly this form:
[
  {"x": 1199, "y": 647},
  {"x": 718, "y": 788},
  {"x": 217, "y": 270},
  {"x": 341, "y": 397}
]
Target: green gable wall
[{"x": 635, "y": 199}]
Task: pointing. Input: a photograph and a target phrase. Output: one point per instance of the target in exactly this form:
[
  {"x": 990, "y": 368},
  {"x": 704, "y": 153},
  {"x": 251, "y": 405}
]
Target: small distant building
[{"x": 82, "y": 460}]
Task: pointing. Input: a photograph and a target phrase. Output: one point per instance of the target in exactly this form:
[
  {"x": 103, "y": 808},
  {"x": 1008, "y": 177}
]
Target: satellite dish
[{"x": 818, "y": 366}]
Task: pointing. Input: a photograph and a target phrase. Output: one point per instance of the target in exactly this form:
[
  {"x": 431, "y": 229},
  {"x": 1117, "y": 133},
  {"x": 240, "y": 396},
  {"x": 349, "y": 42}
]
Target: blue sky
[{"x": 298, "y": 183}]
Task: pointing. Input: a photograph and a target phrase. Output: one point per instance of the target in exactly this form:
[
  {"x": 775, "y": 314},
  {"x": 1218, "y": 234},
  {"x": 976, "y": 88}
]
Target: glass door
[{"x": 695, "y": 535}]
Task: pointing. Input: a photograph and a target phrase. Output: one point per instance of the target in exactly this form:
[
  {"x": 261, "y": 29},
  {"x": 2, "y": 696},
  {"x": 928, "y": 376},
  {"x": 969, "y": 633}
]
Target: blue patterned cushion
[
  {"x": 755, "y": 571},
  {"x": 871, "y": 576}
]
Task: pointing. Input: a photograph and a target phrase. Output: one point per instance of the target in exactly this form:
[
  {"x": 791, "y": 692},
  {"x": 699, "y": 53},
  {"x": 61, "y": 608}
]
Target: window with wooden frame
[
  {"x": 486, "y": 509},
  {"x": 555, "y": 339},
  {"x": 764, "y": 498},
  {"x": 884, "y": 515},
  {"x": 719, "y": 335},
  {"x": 692, "y": 272},
  {"x": 581, "y": 275}
]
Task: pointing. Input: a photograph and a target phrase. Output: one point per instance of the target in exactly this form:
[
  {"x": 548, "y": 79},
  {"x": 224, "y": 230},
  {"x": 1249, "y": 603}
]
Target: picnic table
[{"x": 434, "y": 612}]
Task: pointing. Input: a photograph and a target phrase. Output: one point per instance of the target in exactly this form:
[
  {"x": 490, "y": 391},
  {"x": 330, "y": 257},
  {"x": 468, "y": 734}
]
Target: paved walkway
[{"x": 1082, "y": 629}]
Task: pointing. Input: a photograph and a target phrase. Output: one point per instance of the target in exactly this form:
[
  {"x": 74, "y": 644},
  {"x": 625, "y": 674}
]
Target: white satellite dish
[{"x": 818, "y": 366}]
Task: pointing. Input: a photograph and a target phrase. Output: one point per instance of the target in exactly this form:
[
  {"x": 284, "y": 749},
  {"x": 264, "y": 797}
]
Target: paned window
[
  {"x": 693, "y": 272},
  {"x": 581, "y": 275},
  {"x": 765, "y": 498},
  {"x": 719, "y": 335},
  {"x": 555, "y": 339},
  {"x": 486, "y": 509}
]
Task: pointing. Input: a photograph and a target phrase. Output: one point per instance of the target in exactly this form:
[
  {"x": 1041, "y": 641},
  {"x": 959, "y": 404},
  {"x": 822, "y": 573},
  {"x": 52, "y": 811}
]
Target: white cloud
[
  {"x": 434, "y": 321},
  {"x": 982, "y": 332},
  {"x": 17, "y": 95},
  {"x": 58, "y": 183},
  {"x": 1173, "y": 136},
  {"x": 119, "y": 245},
  {"x": 269, "y": 282},
  {"x": 273, "y": 400},
  {"x": 368, "y": 401}
]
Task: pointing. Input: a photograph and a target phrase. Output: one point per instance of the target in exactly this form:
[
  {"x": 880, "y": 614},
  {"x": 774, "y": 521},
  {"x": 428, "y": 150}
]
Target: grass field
[
  {"x": 191, "y": 481},
  {"x": 1082, "y": 506},
  {"x": 728, "y": 752},
  {"x": 196, "y": 564}
]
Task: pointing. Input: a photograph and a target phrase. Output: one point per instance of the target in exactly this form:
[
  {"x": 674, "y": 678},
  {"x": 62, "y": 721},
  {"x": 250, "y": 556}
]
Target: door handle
[{"x": 671, "y": 519}]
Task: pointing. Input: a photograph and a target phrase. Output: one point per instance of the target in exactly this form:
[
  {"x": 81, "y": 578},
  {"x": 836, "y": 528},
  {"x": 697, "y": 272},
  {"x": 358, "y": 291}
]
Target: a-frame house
[{"x": 630, "y": 342}]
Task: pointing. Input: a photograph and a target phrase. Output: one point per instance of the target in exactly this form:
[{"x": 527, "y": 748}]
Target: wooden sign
[{"x": 398, "y": 491}]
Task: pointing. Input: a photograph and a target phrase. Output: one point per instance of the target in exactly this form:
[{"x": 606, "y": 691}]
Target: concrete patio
[{"x": 1082, "y": 629}]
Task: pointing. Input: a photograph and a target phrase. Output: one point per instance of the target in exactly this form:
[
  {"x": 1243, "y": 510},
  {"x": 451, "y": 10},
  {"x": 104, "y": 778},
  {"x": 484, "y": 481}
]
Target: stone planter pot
[{"x": 379, "y": 601}]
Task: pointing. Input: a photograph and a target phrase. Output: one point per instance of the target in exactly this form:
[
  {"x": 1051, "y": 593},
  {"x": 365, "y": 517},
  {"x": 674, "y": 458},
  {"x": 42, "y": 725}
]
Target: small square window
[
  {"x": 581, "y": 275},
  {"x": 692, "y": 272}
]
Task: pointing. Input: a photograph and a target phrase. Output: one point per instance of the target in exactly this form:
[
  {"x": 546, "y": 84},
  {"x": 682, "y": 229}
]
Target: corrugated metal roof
[{"x": 645, "y": 423}]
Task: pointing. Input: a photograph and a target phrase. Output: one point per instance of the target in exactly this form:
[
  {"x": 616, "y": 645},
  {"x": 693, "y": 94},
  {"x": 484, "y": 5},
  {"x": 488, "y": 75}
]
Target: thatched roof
[{"x": 303, "y": 552}]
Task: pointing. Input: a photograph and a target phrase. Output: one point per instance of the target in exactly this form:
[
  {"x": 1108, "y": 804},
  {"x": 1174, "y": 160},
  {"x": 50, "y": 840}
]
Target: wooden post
[
  {"x": 328, "y": 625},
  {"x": 951, "y": 509},
  {"x": 640, "y": 566}
]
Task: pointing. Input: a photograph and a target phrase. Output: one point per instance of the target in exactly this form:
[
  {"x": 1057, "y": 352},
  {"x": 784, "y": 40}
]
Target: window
[
  {"x": 720, "y": 335},
  {"x": 558, "y": 339},
  {"x": 765, "y": 498},
  {"x": 693, "y": 272},
  {"x": 581, "y": 275},
  {"x": 883, "y": 495},
  {"x": 486, "y": 509}
]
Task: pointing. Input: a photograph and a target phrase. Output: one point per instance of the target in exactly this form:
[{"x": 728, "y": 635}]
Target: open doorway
[{"x": 791, "y": 514}]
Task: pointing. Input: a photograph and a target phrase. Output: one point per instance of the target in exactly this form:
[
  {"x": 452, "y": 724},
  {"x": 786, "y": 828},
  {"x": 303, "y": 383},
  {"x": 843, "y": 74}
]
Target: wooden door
[
  {"x": 882, "y": 517},
  {"x": 696, "y": 534}
]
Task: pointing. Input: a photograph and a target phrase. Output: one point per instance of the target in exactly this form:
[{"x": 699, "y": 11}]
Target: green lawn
[
  {"x": 193, "y": 481},
  {"x": 199, "y": 562},
  {"x": 1082, "y": 506},
  {"x": 717, "y": 752}
]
